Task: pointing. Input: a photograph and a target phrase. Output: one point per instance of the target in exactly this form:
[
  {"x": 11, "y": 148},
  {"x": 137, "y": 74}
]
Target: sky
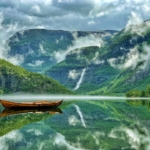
[
  {"x": 70, "y": 15},
  {"x": 73, "y": 15}
]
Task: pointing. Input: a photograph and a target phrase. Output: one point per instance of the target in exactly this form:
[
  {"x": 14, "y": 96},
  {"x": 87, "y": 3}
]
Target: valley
[{"x": 92, "y": 63}]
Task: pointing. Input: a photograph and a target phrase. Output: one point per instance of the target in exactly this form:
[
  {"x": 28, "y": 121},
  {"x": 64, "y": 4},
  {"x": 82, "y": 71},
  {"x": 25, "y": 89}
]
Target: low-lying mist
[{"x": 35, "y": 97}]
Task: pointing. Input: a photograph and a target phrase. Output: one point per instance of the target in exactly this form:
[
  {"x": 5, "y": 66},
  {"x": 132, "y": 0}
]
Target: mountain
[
  {"x": 82, "y": 64},
  {"x": 39, "y": 49},
  {"x": 16, "y": 79},
  {"x": 122, "y": 63}
]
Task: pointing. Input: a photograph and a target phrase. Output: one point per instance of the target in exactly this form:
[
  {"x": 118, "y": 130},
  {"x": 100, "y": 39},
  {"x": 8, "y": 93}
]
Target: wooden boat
[
  {"x": 38, "y": 104},
  {"x": 9, "y": 112}
]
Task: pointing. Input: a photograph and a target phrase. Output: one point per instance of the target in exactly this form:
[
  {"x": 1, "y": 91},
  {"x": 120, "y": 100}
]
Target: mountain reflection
[{"x": 84, "y": 125}]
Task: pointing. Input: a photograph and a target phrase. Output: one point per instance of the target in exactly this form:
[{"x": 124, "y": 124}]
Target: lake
[{"x": 79, "y": 125}]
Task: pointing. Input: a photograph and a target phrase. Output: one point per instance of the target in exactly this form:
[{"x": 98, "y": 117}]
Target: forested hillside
[
  {"x": 16, "y": 79},
  {"x": 122, "y": 63},
  {"x": 40, "y": 49}
]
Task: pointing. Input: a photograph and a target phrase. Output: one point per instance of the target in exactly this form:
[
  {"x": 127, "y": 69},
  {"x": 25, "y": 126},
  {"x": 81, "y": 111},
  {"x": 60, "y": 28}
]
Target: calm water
[{"x": 79, "y": 125}]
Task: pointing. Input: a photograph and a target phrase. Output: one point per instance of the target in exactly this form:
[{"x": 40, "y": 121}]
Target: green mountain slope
[
  {"x": 16, "y": 79},
  {"x": 38, "y": 48},
  {"x": 68, "y": 72},
  {"x": 121, "y": 64}
]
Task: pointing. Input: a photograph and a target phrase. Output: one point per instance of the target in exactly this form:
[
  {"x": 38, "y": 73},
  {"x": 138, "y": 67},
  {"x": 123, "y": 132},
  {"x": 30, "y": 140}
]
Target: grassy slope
[
  {"x": 120, "y": 84},
  {"x": 16, "y": 79}
]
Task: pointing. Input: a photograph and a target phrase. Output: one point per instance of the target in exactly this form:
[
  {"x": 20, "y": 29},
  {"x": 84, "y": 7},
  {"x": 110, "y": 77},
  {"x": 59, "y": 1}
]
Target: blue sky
[{"x": 73, "y": 14}]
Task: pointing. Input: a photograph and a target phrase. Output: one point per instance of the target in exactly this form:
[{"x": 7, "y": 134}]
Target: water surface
[{"x": 82, "y": 125}]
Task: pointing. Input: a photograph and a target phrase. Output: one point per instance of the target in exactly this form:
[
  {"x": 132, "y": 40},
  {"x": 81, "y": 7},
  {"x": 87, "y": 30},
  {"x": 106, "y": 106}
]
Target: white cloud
[
  {"x": 97, "y": 135},
  {"x": 41, "y": 49},
  {"x": 136, "y": 25},
  {"x": 112, "y": 62},
  {"x": 36, "y": 9},
  {"x": 129, "y": 60},
  {"x": 46, "y": 2},
  {"x": 91, "y": 22},
  {"x": 6, "y": 32},
  {"x": 57, "y": 41},
  {"x": 59, "y": 56},
  {"x": 16, "y": 60},
  {"x": 73, "y": 120},
  {"x": 80, "y": 42},
  {"x": 146, "y": 9},
  {"x": 146, "y": 56},
  {"x": 134, "y": 136},
  {"x": 134, "y": 19},
  {"x": 96, "y": 61},
  {"x": 36, "y": 63},
  {"x": 52, "y": 13},
  {"x": 132, "y": 58},
  {"x": 61, "y": 141},
  {"x": 14, "y": 136},
  {"x": 35, "y": 131},
  {"x": 86, "y": 41},
  {"x": 73, "y": 74},
  {"x": 102, "y": 8}
]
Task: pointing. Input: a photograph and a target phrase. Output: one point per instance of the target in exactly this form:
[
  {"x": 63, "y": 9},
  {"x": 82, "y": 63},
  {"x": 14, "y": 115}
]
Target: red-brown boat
[{"x": 38, "y": 104}]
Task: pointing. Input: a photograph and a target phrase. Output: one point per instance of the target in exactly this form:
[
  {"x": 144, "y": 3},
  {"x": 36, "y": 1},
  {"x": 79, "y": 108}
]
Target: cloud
[
  {"x": 16, "y": 60},
  {"x": 97, "y": 135},
  {"x": 86, "y": 41},
  {"x": 36, "y": 63},
  {"x": 135, "y": 24},
  {"x": 96, "y": 61},
  {"x": 145, "y": 56},
  {"x": 134, "y": 19},
  {"x": 146, "y": 9},
  {"x": 80, "y": 42},
  {"x": 132, "y": 58},
  {"x": 129, "y": 60},
  {"x": 138, "y": 137},
  {"x": 73, "y": 74},
  {"x": 36, "y": 9},
  {"x": 35, "y": 132},
  {"x": 14, "y": 136},
  {"x": 91, "y": 22},
  {"x": 59, "y": 56},
  {"x": 6, "y": 32},
  {"x": 73, "y": 120},
  {"x": 61, "y": 141},
  {"x": 41, "y": 49},
  {"x": 70, "y": 15},
  {"x": 111, "y": 14}
]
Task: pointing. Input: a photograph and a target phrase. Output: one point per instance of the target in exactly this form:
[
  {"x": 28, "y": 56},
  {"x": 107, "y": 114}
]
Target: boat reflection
[{"x": 8, "y": 112}]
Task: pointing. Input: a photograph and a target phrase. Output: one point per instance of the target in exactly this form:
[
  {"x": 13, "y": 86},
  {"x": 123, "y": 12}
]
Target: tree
[
  {"x": 1, "y": 91},
  {"x": 148, "y": 90},
  {"x": 143, "y": 93}
]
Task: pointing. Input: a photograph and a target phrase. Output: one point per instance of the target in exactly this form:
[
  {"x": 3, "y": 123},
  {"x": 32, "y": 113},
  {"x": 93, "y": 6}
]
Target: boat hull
[{"x": 39, "y": 104}]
